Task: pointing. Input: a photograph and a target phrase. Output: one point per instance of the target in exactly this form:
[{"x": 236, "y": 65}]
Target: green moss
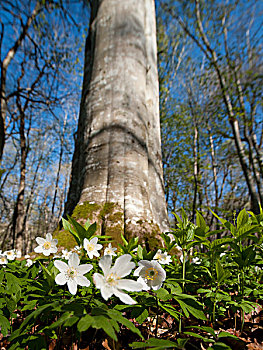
[
  {"x": 65, "y": 239},
  {"x": 115, "y": 232},
  {"x": 85, "y": 211},
  {"x": 116, "y": 217},
  {"x": 110, "y": 221},
  {"x": 107, "y": 208}
]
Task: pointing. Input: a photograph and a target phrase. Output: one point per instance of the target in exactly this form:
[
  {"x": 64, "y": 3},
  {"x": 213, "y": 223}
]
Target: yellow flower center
[
  {"x": 71, "y": 272},
  {"x": 111, "y": 279},
  {"x": 47, "y": 245},
  {"x": 90, "y": 247},
  {"x": 151, "y": 274}
]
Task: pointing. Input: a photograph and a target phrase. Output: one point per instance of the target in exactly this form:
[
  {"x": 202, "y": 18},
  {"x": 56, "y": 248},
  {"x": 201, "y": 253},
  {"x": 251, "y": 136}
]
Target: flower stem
[{"x": 157, "y": 316}]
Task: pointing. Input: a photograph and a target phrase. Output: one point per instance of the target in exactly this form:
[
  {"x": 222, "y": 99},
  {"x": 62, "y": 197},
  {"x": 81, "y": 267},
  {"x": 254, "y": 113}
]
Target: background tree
[
  {"x": 36, "y": 97},
  {"x": 222, "y": 61}
]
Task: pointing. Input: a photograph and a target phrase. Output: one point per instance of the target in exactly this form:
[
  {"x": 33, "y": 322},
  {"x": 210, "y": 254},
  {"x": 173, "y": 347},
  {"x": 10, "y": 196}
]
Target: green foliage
[{"x": 205, "y": 284}]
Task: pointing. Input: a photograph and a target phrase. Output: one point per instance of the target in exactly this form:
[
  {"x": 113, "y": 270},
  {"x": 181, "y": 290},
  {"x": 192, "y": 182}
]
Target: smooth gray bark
[{"x": 117, "y": 154}]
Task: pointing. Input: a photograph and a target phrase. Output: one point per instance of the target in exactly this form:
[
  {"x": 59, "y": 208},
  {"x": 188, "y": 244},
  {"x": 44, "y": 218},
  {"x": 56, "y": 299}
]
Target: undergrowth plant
[{"x": 96, "y": 291}]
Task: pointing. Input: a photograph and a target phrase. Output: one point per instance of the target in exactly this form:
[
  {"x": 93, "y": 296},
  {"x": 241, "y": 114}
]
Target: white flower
[
  {"x": 66, "y": 254},
  {"x": 10, "y": 254},
  {"x": 110, "y": 251},
  {"x": 162, "y": 258},
  {"x": 29, "y": 262},
  {"x": 18, "y": 254},
  {"x": 46, "y": 246},
  {"x": 196, "y": 261},
  {"x": 112, "y": 282},
  {"x": 92, "y": 247},
  {"x": 151, "y": 274},
  {"x": 27, "y": 256},
  {"x": 56, "y": 256},
  {"x": 3, "y": 260},
  {"x": 72, "y": 273},
  {"x": 77, "y": 248}
]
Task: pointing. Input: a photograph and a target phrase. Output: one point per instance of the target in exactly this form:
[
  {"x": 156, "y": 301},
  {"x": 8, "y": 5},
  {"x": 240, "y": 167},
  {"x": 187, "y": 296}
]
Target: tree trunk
[{"x": 117, "y": 156}]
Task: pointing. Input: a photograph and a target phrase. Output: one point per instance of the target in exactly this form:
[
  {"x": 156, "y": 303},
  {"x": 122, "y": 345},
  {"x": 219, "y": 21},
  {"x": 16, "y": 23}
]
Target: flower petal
[
  {"x": 46, "y": 252},
  {"x": 38, "y": 249},
  {"x": 40, "y": 240},
  {"x": 72, "y": 286},
  {"x": 143, "y": 283},
  {"x": 157, "y": 287},
  {"x": 90, "y": 254},
  {"x": 61, "y": 279},
  {"x": 129, "y": 285},
  {"x": 49, "y": 237},
  {"x": 98, "y": 280},
  {"x": 61, "y": 265},
  {"x": 146, "y": 263},
  {"x": 53, "y": 249},
  {"x": 125, "y": 298},
  {"x": 73, "y": 260},
  {"x": 137, "y": 271},
  {"x": 82, "y": 269},
  {"x": 54, "y": 241},
  {"x": 85, "y": 243},
  {"x": 94, "y": 240},
  {"x": 105, "y": 264},
  {"x": 82, "y": 281},
  {"x": 123, "y": 265},
  {"x": 106, "y": 291}
]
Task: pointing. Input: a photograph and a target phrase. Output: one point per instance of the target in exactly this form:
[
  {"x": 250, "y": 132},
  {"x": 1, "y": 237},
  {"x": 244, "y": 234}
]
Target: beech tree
[{"x": 117, "y": 158}]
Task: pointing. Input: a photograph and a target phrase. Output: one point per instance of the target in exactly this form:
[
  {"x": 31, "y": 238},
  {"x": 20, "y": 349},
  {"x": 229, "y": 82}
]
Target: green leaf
[
  {"x": 223, "y": 334},
  {"x": 80, "y": 230},
  {"x": 48, "y": 275},
  {"x": 155, "y": 344},
  {"x": 192, "y": 334},
  {"x": 190, "y": 305},
  {"x": 220, "y": 272},
  {"x": 171, "y": 311},
  {"x": 220, "y": 346},
  {"x": 5, "y": 325},
  {"x": 200, "y": 222},
  {"x": 84, "y": 323},
  {"x": 118, "y": 316},
  {"x": 33, "y": 315},
  {"x": 12, "y": 283},
  {"x": 242, "y": 218},
  {"x": 91, "y": 230},
  {"x": 61, "y": 320},
  {"x": 68, "y": 227},
  {"x": 163, "y": 294}
]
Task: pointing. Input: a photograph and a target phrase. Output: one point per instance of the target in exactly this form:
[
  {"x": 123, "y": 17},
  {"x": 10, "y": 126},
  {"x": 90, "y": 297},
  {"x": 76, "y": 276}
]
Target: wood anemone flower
[
  {"x": 112, "y": 282},
  {"x": 72, "y": 273},
  {"x": 46, "y": 246},
  {"x": 151, "y": 274}
]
